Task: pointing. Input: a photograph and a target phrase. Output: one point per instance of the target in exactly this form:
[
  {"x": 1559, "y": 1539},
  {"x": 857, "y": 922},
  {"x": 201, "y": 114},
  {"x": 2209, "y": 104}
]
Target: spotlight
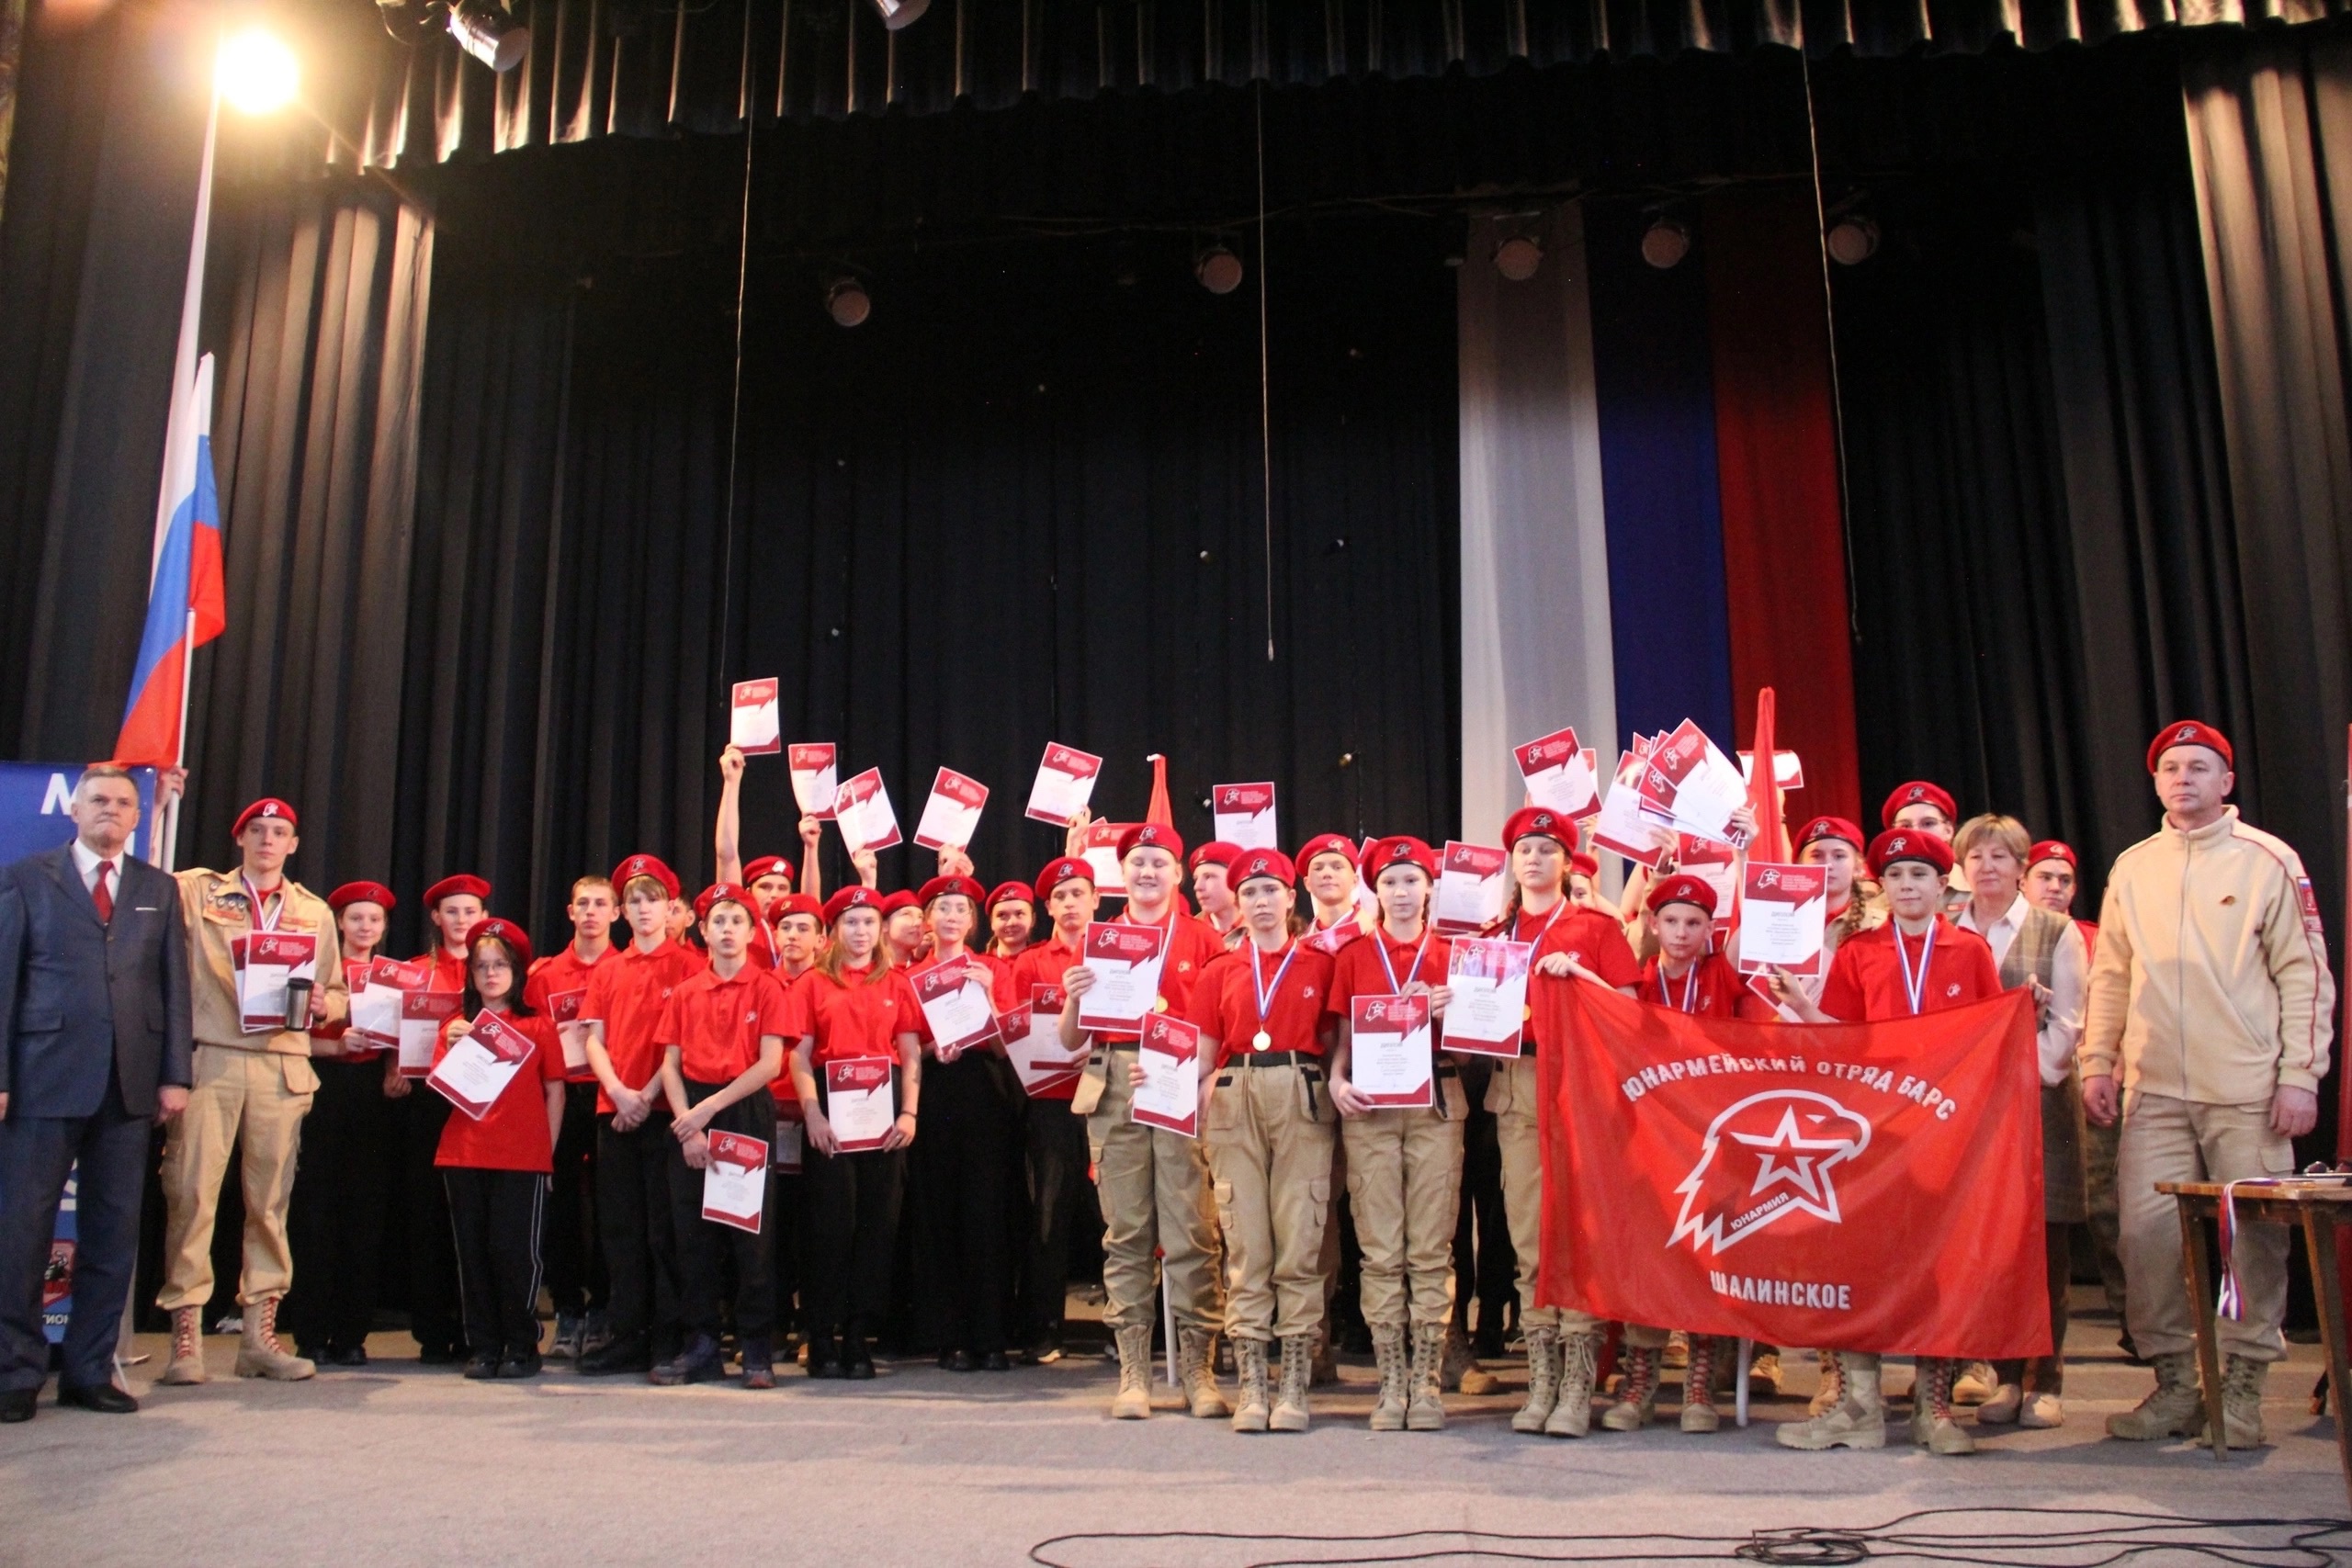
[
  {"x": 847, "y": 302},
  {"x": 1517, "y": 257},
  {"x": 1665, "y": 244},
  {"x": 897, "y": 14},
  {"x": 1218, "y": 269},
  {"x": 1853, "y": 240},
  {"x": 484, "y": 31},
  {"x": 256, "y": 72}
]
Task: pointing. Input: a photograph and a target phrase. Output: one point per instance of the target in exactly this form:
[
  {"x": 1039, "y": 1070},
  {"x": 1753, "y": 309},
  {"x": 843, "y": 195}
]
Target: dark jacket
[{"x": 77, "y": 995}]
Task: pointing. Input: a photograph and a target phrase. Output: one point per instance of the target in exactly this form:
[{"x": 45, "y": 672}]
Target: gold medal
[
  {"x": 1160, "y": 1004},
  {"x": 1527, "y": 1015},
  {"x": 1260, "y": 1041}
]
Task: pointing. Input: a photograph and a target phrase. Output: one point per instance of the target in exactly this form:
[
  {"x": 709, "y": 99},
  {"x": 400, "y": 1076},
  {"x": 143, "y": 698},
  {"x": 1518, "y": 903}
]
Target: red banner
[{"x": 1857, "y": 1186}]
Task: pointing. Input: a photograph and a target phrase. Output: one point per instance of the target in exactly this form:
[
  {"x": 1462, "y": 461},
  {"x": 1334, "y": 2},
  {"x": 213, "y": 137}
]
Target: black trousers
[
  {"x": 496, "y": 1216},
  {"x": 787, "y": 1197},
  {"x": 432, "y": 1259},
  {"x": 633, "y": 1223},
  {"x": 853, "y": 1231},
  {"x": 575, "y": 1266},
  {"x": 334, "y": 1221},
  {"x": 702, "y": 1243},
  {"x": 1055, "y": 1156},
  {"x": 963, "y": 1157},
  {"x": 1485, "y": 1266},
  {"x": 35, "y": 1152}
]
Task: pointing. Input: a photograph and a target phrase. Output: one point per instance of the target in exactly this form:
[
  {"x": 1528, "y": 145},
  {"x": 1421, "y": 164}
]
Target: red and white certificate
[
  {"x": 563, "y": 1012},
  {"x": 1065, "y": 784},
  {"x": 266, "y": 963},
  {"x": 814, "y": 777},
  {"x": 1244, "y": 815},
  {"x": 1101, "y": 851},
  {"x": 862, "y": 811},
  {"x": 1126, "y": 962},
  {"x": 952, "y": 814},
  {"x": 1783, "y": 913},
  {"x": 1033, "y": 1039},
  {"x": 956, "y": 1005},
  {"x": 754, "y": 727},
  {"x": 1472, "y": 882},
  {"x": 375, "y": 1002},
  {"x": 860, "y": 1102},
  {"x": 1558, "y": 772},
  {"x": 1690, "y": 787},
  {"x": 1170, "y": 1096},
  {"x": 422, "y": 1015},
  {"x": 1622, "y": 827},
  {"x": 1788, "y": 768},
  {"x": 1713, "y": 862},
  {"x": 1488, "y": 1011},
  {"x": 482, "y": 1066},
  {"x": 1391, "y": 1058},
  {"x": 789, "y": 1153},
  {"x": 735, "y": 1182}
]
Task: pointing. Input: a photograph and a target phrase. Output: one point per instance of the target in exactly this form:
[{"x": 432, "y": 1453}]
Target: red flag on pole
[
  {"x": 1160, "y": 811},
  {"x": 1764, "y": 795}
]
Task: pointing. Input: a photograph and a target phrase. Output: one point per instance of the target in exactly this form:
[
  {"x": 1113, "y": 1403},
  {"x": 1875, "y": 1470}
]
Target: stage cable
[
  {"x": 1829, "y": 317},
  {"x": 1265, "y": 378},
  {"x": 735, "y": 405}
]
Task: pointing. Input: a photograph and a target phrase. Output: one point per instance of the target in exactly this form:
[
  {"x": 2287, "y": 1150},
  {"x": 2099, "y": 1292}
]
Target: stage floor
[{"x": 405, "y": 1464}]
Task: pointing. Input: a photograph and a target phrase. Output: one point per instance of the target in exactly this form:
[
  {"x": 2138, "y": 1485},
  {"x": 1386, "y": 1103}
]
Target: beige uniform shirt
[{"x": 213, "y": 904}]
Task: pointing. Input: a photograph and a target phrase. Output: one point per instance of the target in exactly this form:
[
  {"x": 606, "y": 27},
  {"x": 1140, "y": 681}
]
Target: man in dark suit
[{"x": 94, "y": 1041}]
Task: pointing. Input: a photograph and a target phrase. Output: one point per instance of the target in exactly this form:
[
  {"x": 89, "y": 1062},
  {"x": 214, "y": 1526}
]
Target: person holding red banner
[
  {"x": 2210, "y": 1025},
  {"x": 1404, "y": 1163},
  {"x": 1572, "y": 942},
  {"x": 1052, "y": 1141},
  {"x": 1875, "y": 976}
]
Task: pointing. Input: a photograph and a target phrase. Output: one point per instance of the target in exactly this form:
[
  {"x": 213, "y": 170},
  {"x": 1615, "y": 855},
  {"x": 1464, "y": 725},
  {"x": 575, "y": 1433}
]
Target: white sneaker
[
  {"x": 2041, "y": 1410},
  {"x": 2002, "y": 1408}
]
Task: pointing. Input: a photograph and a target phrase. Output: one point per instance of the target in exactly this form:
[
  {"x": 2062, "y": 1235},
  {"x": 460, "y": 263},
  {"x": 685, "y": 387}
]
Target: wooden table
[{"x": 2315, "y": 1208}]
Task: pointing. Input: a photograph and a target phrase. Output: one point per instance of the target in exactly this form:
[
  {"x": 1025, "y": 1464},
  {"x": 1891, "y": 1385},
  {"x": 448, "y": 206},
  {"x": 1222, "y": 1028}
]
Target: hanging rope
[
  {"x": 1265, "y": 391},
  {"x": 735, "y": 411},
  {"x": 1830, "y": 315}
]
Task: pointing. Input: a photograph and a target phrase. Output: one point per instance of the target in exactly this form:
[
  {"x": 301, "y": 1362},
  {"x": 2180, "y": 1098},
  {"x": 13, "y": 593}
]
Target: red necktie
[{"x": 101, "y": 895}]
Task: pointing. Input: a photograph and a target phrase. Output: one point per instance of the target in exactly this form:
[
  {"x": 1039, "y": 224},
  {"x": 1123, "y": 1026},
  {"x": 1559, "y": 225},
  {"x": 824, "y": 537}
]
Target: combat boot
[
  {"x": 2242, "y": 1380},
  {"x": 1637, "y": 1394},
  {"x": 1388, "y": 1353},
  {"x": 1832, "y": 1388},
  {"x": 1298, "y": 1371},
  {"x": 1543, "y": 1381},
  {"x": 1133, "y": 1402},
  {"x": 1579, "y": 1362},
  {"x": 1324, "y": 1364},
  {"x": 260, "y": 1355},
  {"x": 188, "y": 1348},
  {"x": 1193, "y": 1353},
  {"x": 1935, "y": 1424},
  {"x": 2174, "y": 1409},
  {"x": 1858, "y": 1419},
  {"x": 1425, "y": 1387},
  {"x": 1460, "y": 1373},
  {"x": 1699, "y": 1413},
  {"x": 1249, "y": 1372}
]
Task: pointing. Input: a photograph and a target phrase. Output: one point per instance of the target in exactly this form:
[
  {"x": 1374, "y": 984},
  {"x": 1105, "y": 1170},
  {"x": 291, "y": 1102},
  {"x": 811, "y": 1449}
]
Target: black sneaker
[
  {"x": 625, "y": 1353},
  {"x": 954, "y": 1360},
  {"x": 440, "y": 1354},
  {"x": 346, "y": 1356},
  {"x": 698, "y": 1362},
  {"x": 996, "y": 1361},
  {"x": 759, "y": 1363},
  {"x": 824, "y": 1356},
  {"x": 481, "y": 1368},
  {"x": 857, "y": 1361},
  {"x": 521, "y": 1364}
]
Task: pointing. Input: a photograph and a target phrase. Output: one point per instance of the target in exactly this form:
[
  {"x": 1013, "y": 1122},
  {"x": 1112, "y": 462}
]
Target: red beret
[
  {"x": 1681, "y": 889},
  {"x": 1059, "y": 871},
  {"x": 1263, "y": 862},
  {"x": 1581, "y": 862},
  {"x": 1216, "y": 852},
  {"x": 1019, "y": 891},
  {"x": 516, "y": 940},
  {"x": 2188, "y": 732},
  {"x": 1918, "y": 792},
  {"x": 1152, "y": 835},
  {"x": 795, "y": 904},
  {"x": 1909, "y": 843},
  {"x": 451, "y": 886},
  {"x": 1539, "y": 822},
  {"x": 1403, "y": 850},
  {"x": 767, "y": 865},
  {"x": 2050, "y": 849},
  {"x": 636, "y": 867},
  {"x": 270, "y": 806},
  {"x": 849, "y": 898},
  {"x": 939, "y": 886},
  {"x": 1326, "y": 844},
  {"x": 352, "y": 893},
  {"x": 902, "y": 900},
  {"x": 1831, "y": 828},
  {"x": 724, "y": 892}
]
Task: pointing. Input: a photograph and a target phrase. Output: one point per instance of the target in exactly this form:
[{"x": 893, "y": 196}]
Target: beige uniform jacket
[{"x": 213, "y": 904}]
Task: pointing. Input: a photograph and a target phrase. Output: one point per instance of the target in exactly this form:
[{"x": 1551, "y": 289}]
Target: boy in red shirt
[
  {"x": 556, "y": 988},
  {"x": 1052, "y": 1141},
  {"x": 1213, "y": 894}
]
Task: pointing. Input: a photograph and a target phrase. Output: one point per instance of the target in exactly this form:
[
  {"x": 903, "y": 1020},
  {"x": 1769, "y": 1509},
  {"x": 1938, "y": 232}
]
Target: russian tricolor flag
[{"x": 187, "y": 604}]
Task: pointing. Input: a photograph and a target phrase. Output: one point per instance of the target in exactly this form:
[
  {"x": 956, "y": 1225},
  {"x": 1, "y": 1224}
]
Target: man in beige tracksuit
[{"x": 2210, "y": 998}]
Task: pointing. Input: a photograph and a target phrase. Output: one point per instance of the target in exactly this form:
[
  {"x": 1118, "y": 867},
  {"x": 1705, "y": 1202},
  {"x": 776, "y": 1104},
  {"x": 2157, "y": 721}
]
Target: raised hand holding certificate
[
  {"x": 952, "y": 814},
  {"x": 860, "y": 1102},
  {"x": 753, "y": 726},
  {"x": 1170, "y": 1096},
  {"x": 1101, "y": 852},
  {"x": 1065, "y": 784},
  {"x": 862, "y": 811},
  {"x": 956, "y": 1007},
  {"x": 1783, "y": 912},
  {"x": 814, "y": 780},
  {"x": 1390, "y": 1058},
  {"x": 735, "y": 1182},
  {"x": 1033, "y": 1039},
  {"x": 266, "y": 963},
  {"x": 1126, "y": 962},
  {"x": 1244, "y": 815},
  {"x": 479, "y": 1067},
  {"x": 422, "y": 1015},
  {"x": 1472, "y": 881},
  {"x": 1692, "y": 787},
  {"x": 1558, "y": 773},
  {"x": 1488, "y": 978}
]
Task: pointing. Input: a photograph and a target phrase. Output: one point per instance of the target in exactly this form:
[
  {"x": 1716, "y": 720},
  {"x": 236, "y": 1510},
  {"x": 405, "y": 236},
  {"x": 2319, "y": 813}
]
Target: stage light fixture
[
  {"x": 1218, "y": 269},
  {"x": 1519, "y": 258},
  {"x": 256, "y": 72},
  {"x": 1665, "y": 244},
  {"x": 847, "y": 302},
  {"x": 484, "y": 31},
  {"x": 1853, "y": 240},
  {"x": 897, "y": 14}
]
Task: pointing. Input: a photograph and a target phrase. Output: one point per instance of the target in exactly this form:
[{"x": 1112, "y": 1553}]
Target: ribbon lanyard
[
  {"x": 1690, "y": 988},
  {"x": 1915, "y": 988},
  {"x": 1263, "y": 1039},
  {"x": 1410, "y": 969},
  {"x": 253, "y": 905}
]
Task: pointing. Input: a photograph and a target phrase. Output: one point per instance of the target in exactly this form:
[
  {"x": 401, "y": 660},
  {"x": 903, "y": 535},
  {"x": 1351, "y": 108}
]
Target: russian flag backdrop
[{"x": 187, "y": 602}]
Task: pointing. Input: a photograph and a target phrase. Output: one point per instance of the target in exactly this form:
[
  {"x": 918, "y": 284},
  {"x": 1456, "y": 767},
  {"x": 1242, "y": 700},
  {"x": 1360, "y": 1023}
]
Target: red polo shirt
[
  {"x": 559, "y": 972},
  {"x": 626, "y": 993},
  {"x": 1226, "y": 1004},
  {"x": 1711, "y": 988},
  {"x": 1865, "y": 983},
  {"x": 717, "y": 1023},
  {"x": 1593, "y": 941},
  {"x": 448, "y": 969},
  {"x": 513, "y": 1134},
  {"x": 864, "y": 1017},
  {"x": 1358, "y": 970}
]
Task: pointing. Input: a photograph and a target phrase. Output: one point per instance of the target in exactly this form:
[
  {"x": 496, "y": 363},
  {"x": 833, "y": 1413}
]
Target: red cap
[
  {"x": 1326, "y": 844},
  {"x": 1403, "y": 850},
  {"x": 725, "y": 893},
  {"x": 1539, "y": 822},
  {"x": 352, "y": 893},
  {"x": 1263, "y": 862},
  {"x": 849, "y": 898},
  {"x": 894, "y": 902},
  {"x": 939, "y": 886},
  {"x": 636, "y": 867},
  {"x": 1918, "y": 792},
  {"x": 2188, "y": 732},
  {"x": 270, "y": 806},
  {"x": 795, "y": 904},
  {"x": 1832, "y": 828},
  {"x": 2052, "y": 849},
  {"x": 1003, "y": 890},
  {"x": 767, "y": 865},
  {"x": 1061, "y": 870},
  {"x": 1579, "y": 860},
  {"x": 1216, "y": 852},
  {"x": 517, "y": 939},
  {"x": 450, "y": 886},
  {"x": 1909, "y": 843},
  {"x": 1682, "y": 888},
  {"x": 1152, "y": 835}
]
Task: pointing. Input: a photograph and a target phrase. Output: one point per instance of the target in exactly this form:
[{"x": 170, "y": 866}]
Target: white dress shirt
[
  {"x": 2062, "y": 1027},
  {"x": 87, "y": 861}
]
